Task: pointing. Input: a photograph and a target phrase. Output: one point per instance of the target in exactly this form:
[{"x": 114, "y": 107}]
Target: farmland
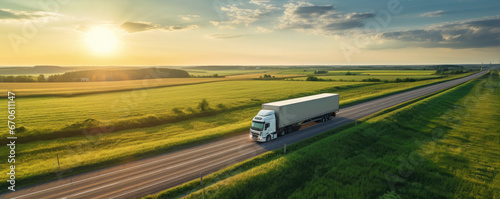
[
  {"x": 231, "y": 104},
  {"x": 200, "y": 72},
  {"x": 160, "y": 101},
  {"x": 371, "y": 75},
  {"x": 359, "y": 78},
  {"x": 359, "y": 72},
  {"x": 76, "y": 88},
  {"x": 445, "y": 146}
]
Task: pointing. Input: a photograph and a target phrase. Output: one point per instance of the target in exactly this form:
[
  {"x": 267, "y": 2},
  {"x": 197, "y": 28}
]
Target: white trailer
[{"x": 279, "y": 118}]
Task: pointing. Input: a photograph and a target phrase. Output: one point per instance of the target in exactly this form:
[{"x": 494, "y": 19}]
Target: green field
[
  {"x": 445, "y": 146},
  {"x": 158, "y": 102},
  {"x": 358, "y": 72},
  {"x": 201, "y": 72},
  {"x": 359, "y": 78},
  {"x": 83, "y": 147},
  {"x": 78, "y": 88},
  {"x": 364, "y": 75}
]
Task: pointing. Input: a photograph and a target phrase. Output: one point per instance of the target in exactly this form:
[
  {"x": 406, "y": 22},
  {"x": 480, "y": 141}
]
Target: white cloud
[
  {"x": 260, "y": 2},
  {"x": 433, "y": 14},
  {"x": 188, "y": 17},
  {"x": 132, "y": 27},
  {"x": 320, "y": 19},
  {"x": 262, "y": 29},
  {"x": 13, "y": 15},
  {"x": 225, "y": 36},
  {"x": 477, "y": 33},
  {"x": 239, "y": 16}
]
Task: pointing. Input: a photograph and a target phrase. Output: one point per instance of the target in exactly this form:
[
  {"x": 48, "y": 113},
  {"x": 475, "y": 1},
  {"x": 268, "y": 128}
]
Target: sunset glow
[{"x": 101, "y": 40}]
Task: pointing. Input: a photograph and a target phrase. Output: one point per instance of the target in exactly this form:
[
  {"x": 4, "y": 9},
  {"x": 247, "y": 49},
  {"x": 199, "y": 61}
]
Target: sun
[{"x": 102, "y": 40}]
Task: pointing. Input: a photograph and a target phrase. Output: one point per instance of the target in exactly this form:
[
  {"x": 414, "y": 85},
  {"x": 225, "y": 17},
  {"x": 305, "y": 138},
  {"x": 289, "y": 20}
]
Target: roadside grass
[
  {"x": 100, "y": 147},
  {"x": 445, "y": 146}
]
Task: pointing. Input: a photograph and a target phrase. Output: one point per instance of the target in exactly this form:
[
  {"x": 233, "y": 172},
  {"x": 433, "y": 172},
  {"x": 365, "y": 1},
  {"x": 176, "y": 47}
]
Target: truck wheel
[
  {"x": 323, "y": 119},
  {"x": 268, "y": 138},
  {"x": 282, "y": 132}
]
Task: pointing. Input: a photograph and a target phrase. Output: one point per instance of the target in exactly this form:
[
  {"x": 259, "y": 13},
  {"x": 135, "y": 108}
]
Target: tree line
[{"x": 101, "y": 75}]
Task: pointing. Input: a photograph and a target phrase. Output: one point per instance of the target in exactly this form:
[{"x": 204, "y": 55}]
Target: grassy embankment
[
  {"x": 445, "y": 146},
  {"x": 82, "y": 153}
]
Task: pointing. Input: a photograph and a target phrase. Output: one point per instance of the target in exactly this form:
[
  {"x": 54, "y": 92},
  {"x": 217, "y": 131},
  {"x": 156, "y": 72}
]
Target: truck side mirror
[{"x": 267, "y": 126}]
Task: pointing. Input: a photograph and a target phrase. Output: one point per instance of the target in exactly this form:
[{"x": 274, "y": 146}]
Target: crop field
[
  {"x": 359, "y": 78},
  {"x": 445, "y": 146},
  {"x": 231, "y": 104},
  {"x": 200, "y": 72},
  {"x": 359, "y": 72},
  {"x": 387, "y": 72},
  {"x": 74, "y": 88},
  {"x": 157, "y": 102},
  {"x": 259, "y": 75}
]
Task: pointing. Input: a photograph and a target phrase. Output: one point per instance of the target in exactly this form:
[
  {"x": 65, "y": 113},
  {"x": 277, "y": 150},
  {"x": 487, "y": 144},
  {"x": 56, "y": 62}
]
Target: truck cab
[{"x": 263, "y": 127}]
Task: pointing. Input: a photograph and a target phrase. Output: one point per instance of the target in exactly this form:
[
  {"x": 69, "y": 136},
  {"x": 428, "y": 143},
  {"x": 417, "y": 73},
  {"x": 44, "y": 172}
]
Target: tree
[
  {"x": 311, "y": 78},
  {"x": 203, "y": 105},
  {"x": 41, "y": 78}
]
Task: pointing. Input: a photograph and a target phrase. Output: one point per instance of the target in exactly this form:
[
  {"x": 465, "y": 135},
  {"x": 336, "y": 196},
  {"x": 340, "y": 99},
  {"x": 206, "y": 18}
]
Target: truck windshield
[{"x": 258, "y": 126}]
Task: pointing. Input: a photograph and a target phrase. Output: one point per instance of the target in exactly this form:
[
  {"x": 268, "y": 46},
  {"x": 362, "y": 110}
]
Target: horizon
[{"x": 262, "y": 65}]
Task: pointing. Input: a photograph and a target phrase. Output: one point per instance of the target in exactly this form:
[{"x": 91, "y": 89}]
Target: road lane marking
[
  {"x": 128, "y": 179},
  {"x": 181, "y": 175}
]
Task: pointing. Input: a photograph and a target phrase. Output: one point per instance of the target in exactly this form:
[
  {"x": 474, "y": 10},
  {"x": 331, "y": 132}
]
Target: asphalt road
[{"x": 151, "y": 175}]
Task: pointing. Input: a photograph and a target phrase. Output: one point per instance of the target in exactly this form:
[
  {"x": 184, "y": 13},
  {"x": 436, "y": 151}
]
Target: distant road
[{"x": 142, "y": 177}]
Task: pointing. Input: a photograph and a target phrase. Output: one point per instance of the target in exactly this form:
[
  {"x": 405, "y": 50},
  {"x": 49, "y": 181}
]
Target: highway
[{"x": 151, "y": 175}]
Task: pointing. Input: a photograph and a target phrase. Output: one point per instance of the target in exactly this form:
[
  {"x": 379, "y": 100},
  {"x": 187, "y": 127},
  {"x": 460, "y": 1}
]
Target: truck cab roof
[{"x": 263, "y": 115}]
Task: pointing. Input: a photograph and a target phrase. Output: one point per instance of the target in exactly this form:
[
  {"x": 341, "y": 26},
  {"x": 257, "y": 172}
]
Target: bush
[
  {"x": 313, "y": 78},
  {"x": 320, "y": 72},
  {"x": 177, "y": 111},
  {"x": 221, "y": 106},
  {"x": 203, "y": 105},
  {"x": 191, "y": 110},
  {"x": 371, "y": 80}
]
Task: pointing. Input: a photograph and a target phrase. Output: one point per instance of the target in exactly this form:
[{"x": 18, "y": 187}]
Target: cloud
[
  {"x": 260, "y": 2},
  {"x": 477, "y": 33},
  {"x": 433, "y": 14},
  {"x": 262, "y": 29},
  {"x": 7, "y": 14},
  {"x": 133, "y": 27},
  {"x": 188, "y": 17},
  {"x": 320, "y": 19},
  {"x": 237, "y": 16},
  {"x": 312, "y": 11},
  {"x": 224, "y": 36}
]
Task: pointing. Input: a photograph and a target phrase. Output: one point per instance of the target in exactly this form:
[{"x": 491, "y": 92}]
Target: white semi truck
[{"x": 279, "y": 118}]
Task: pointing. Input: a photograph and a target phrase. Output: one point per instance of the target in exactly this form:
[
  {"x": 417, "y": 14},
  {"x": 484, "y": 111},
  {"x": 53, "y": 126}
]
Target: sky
[{"x": 252, "y": 32}]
